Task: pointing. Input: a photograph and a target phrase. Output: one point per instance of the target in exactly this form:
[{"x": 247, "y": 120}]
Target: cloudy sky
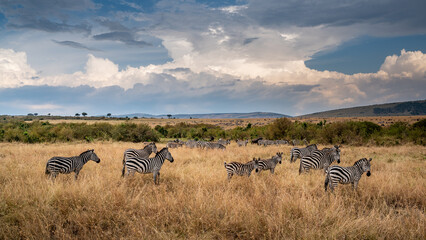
[{"x": 174, "y": 56}]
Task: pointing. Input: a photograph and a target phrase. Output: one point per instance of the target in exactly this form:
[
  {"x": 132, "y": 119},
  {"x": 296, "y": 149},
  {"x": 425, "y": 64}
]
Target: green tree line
[{"x": 351, "y": 132}]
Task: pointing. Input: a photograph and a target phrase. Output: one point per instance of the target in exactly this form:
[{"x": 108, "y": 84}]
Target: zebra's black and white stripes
[
  {"x": 67, "y": 165},
  {"x": 302, "y": 152},
  {"x": 320, "y": 159},
  {"x": 240, "y": 169},
  {"x": 346, "y": 175},
  {"x": 269, "y": 164},
  {"x": 148, "y": 165}
]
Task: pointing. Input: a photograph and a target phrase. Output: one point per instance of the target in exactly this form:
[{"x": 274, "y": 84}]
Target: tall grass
[{"x": 195, "y": 201}]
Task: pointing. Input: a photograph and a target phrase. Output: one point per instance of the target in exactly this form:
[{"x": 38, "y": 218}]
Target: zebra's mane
[
  {"x": 162, "y": 150},
  {"x": 90, "y": 150},
  {"x": 358, "y": 163},
  {"x": 148, "y": 145}
]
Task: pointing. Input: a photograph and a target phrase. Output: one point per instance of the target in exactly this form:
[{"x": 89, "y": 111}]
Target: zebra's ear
[{"x": 370, "y": 159}]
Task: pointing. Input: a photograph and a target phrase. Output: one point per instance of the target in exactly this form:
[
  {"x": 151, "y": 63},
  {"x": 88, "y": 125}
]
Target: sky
[{"x": 174, "y": 56}]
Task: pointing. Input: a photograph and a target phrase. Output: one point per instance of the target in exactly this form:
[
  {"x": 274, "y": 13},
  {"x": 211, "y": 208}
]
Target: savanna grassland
[
  {"x": 229, "y": 123},
  {"x": 195, "y": 201}
]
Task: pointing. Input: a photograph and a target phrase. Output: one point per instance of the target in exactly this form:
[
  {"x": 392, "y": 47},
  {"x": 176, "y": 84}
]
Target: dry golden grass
[{"x": 195, "y": 201}]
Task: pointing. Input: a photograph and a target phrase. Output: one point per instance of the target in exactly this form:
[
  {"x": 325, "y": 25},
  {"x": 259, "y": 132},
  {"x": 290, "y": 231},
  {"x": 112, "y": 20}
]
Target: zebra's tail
[
  {"x": 47, "y": 171},
  {"x": 124, "y": 166},
  {"x": 291, "y": 156},
  {"x": 224, "y": 163}
]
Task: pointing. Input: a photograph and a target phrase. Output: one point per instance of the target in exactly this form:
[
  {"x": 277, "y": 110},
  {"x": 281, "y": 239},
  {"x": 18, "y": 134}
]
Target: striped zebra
[
  {"x": 269, "y": 164},
  {"x": 213, "y": 145},
  {"x": 320, "y": 159},
  {"x": 266, "y": 142},
  {"x": 240, "y": 169},
  {"x": 66, "y": 165},
  {"x": 191, "y": 143},
  {"x": 223, "y": 141},
  {"x": 148, "y": 165},
  {"x": 242, "y": 143},
  {"x": 174, "y": 144},
  {"x": 139, "y": 153},
  {"x": 301, "y": 152},
  {"x": 346, "y": 175}
]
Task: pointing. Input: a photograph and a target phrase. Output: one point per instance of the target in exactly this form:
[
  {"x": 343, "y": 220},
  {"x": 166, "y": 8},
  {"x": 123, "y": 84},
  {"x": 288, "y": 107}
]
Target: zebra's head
[
  {"x": 152, "y": 146},
  {"x": 366, "y": 167},
  {"x": 256, "y": 164},
  {"x": 336, "y": 153},
  {"x": 279, "y": 157},
  {"x": 93, "y": 156},
  {"x": 168, "y": 155}
]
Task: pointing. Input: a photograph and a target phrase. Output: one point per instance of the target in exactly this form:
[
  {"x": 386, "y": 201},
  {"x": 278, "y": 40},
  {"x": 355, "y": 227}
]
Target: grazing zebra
[
  {"x": 66, "y": 165},
  {"x": 223, "y": 141},
  {"x": 191, "y": 143},
  {"x": 213, "y": 145},
  {"x": 148, "y": 165},
  {"x": 242, "y": 143},
  {"x": 139, "y": 153},
  {"x": 345, "y": 175},
  {"x": 256, "y": 141},
  {"x": 174, "y": 144},
  {"x": 269, "y": 164},
  {"x": 281, "y": 142},
  {"x": 266, "y": 142},
  {"x": 320, "y": 159},
  {"x": 301, "y": 152},
  {"x": 240, "y": 169}
]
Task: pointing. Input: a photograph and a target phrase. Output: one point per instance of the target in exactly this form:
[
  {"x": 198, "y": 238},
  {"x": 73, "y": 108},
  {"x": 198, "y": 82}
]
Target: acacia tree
[{"x": 84, "y": 114}]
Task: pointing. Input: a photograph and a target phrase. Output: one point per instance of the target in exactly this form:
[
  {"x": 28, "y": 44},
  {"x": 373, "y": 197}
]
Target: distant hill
[
  {"x": 209, "y": 115},
  {"x": 388, "y": 109}
]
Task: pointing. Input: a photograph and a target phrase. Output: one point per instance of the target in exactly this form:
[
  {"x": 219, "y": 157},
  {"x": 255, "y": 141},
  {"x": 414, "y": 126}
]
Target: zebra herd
[
  {"x": 310, "y": 158},
  {"x": 138, "y": 160}
]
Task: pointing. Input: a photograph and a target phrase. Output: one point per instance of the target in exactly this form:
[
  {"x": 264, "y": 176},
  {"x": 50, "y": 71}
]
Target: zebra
[
  {"x": 268, "y": 164},
  {"x": 345, "y": 175},
  {"x": 320, "y": 159},
  {"x": 191, "y": 143},
  {"x": 66, "y": 165},
  {"x": 242, "y": 143},
  {"x": 148, "y": 165},
  {"x": 281, "y": 142},
  {"x": 174, "y": 144},
  {"x": 240, "y": 169},
  {"x": 266, "y": 142},
  {"x": 213, "y": 145},
  {"x": 255, "y": 141},
  {"x": 223, "y": 141},
  {"x": 139, "y": 153},
  {"x": 301, "y": 152}
]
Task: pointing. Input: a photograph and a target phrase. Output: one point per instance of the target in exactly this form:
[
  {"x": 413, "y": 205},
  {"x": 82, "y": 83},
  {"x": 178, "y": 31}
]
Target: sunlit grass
[{"x": 195, "y": 201}]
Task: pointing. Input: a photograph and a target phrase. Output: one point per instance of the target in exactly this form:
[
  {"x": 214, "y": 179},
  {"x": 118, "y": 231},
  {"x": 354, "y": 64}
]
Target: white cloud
[{"x": 14, "y": 69}]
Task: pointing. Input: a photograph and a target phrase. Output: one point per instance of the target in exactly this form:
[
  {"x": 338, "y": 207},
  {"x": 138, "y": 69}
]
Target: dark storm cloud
[
  {"x": 74, "y": 45},
  {"x": 249, "y": 40},
  {"x": 46, "y": 15},
  {"x": 124, "y": 37},
  {"x": 337, "y": 13}
]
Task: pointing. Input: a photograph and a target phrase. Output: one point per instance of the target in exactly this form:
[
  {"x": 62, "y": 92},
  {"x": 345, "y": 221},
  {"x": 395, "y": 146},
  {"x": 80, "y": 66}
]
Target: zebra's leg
[
  {"x": 326, "y": 182},
  {"x": 76, "y": 174},
  {"x": 332, "y": 185},
  {"x": 156, "y": 176},
  {"x": 300, "y": 168},
  {"x": 354, "y": 185},
  {"x": 230, "y": 176},
  {"x": 272, "y": 170}
]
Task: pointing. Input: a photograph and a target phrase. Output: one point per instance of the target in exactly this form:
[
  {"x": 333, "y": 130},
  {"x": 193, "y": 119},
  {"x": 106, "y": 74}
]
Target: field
[
  {"x": 195, "y": 201},
  {"x": 232, "y": 123}
]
